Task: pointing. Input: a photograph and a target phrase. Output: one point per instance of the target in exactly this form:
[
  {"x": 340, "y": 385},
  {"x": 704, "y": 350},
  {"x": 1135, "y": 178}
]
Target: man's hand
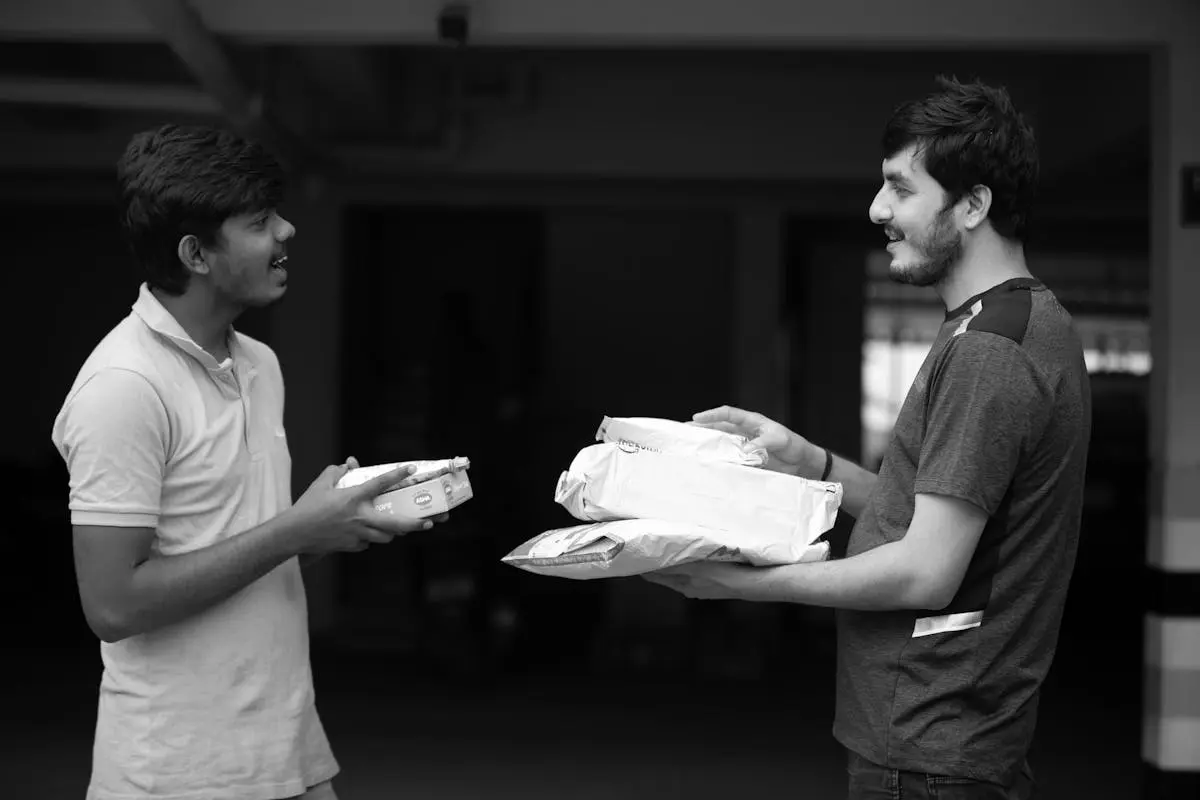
[
  {"x": 706, "y": 580},
  {"x": 787, "y": 451},
  {"x": 345, "y": 520}
]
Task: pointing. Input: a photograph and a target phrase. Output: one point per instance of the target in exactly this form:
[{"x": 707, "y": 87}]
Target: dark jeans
[{"x": 869, "y": 781}]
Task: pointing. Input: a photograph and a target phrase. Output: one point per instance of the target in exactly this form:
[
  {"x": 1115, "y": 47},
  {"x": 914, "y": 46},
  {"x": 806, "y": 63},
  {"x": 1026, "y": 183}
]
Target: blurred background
[{"x": 516, "y": 217}]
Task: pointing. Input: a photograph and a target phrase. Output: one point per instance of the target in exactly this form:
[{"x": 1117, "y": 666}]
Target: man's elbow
[
  {"x": 106, "y": 631},
  {"x": 108, "y": 625},
  {"x": 929, "y": 592}
]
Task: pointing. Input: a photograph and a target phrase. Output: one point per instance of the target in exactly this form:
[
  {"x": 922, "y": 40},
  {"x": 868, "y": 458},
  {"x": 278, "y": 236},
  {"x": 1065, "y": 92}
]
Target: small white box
[
  {"x": 422, "y": 470},
  {"x": 429, "y": 498}
]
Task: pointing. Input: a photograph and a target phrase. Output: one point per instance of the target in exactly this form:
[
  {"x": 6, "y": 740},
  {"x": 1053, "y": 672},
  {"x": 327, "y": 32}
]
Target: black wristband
[{"x": 828, "y": 465}]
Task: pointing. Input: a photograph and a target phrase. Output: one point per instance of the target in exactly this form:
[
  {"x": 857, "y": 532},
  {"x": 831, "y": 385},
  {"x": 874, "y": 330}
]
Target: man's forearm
[
  {"x": 166, "y": 589},
  {"x": 881, "y": 579}
]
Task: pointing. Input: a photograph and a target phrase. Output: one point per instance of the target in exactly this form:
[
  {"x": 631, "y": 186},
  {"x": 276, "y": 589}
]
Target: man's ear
[
  {"x": 979, "y": 203},
  {"x": 191, "y": 255}
]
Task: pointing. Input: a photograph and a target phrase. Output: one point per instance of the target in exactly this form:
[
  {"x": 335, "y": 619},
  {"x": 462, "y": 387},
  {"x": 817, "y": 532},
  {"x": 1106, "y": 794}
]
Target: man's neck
[
  {"x": 988, "y": 262},
  {"x": 201, "y": 317}
]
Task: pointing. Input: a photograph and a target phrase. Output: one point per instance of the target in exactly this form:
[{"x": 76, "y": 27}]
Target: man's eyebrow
[{"x": 894, "y": 176}]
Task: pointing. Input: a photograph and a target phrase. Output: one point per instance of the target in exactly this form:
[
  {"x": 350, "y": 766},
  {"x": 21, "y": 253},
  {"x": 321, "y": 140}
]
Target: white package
[
  {"x": 777, "y": 515},
  {"x": 636, "y": 546},
  {"x": 681, "y": 439}
]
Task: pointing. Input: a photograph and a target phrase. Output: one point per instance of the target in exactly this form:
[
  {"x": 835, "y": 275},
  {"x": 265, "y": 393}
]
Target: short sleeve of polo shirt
[
  {"x": 984, "y": 406},
  {"x": 114, "y": 438}
]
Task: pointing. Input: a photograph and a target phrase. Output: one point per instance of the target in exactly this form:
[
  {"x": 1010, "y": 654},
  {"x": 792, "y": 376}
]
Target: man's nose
[
  {"x": 880, "y": 212},
  {"x": 286, "y": 230}
]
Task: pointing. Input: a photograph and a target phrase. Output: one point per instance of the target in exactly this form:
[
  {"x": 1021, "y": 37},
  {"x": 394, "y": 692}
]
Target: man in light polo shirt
[{"x": 185, "y": 536}]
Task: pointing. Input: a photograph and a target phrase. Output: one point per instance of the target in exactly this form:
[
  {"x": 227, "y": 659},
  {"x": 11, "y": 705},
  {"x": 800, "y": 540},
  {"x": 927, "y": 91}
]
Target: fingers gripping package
[
  {"x": 436, "y": 486},
  {"x": 656, "y": 494}
]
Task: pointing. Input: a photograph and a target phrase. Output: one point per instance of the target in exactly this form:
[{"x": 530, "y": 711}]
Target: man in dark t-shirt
[
  {"x": 996, "y": 417},
  {"x": 953, "y": 586}
]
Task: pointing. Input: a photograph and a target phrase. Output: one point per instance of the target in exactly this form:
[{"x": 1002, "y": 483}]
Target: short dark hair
[
  {"x": 970, "y": 134},
  {"x": 179, "y": 180}
]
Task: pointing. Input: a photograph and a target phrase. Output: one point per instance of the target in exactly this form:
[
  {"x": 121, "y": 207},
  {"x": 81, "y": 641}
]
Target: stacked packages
[{"x": 657, "y": 493}]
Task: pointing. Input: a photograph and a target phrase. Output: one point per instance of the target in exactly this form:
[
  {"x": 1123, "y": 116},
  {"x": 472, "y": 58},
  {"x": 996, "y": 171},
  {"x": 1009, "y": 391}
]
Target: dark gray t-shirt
[{"x": 1000, "y": 416}]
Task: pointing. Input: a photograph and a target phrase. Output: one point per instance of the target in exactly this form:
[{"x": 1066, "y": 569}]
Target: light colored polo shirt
[{"x": 156, "y": 434}]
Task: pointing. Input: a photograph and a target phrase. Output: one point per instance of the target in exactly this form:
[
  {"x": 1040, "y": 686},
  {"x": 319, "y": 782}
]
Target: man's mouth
[
  {"x": 893, "y": 235},
  {"x": 279, "y": 261}
]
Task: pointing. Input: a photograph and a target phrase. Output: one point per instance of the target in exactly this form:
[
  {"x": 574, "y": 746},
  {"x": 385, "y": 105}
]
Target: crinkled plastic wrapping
[
  {"x": 636, "y": 546},
  {"x": 776, "y": 516},
  {"x": 680, "y": 439}
]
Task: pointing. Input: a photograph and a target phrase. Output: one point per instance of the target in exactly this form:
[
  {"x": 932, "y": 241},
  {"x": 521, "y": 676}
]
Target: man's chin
[
  {"x": 914, "y": 274},
  {"x": 906, "y": 274},
  {"x": 269, "y": 297}
]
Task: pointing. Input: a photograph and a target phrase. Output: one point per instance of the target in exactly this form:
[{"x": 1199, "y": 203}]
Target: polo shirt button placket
[
  {"x": 251, "y": 444},
  {"x": 234, "y": 383}
]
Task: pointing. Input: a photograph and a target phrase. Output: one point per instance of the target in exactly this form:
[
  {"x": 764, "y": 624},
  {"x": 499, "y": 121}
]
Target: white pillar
[{"x": 1171, "y": 733}]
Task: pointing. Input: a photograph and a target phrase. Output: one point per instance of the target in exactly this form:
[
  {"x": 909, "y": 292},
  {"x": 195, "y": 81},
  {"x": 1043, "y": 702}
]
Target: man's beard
[{"x": 941, "y": 248}]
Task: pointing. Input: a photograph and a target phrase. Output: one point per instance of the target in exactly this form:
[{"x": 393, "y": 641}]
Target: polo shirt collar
[{"x": 158, "y": 319}]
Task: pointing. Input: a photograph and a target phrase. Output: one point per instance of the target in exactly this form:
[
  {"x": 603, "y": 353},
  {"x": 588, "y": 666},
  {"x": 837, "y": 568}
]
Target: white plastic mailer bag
[
  {"x": 636, "y": 546},
  {"x": 680, "y": 439},
  {"x": 779, "y": 514}
]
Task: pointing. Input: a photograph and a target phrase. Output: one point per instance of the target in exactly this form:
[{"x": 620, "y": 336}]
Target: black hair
[
  {"x": 970, "y": 134},
  {"x": 179, "y": 180}
]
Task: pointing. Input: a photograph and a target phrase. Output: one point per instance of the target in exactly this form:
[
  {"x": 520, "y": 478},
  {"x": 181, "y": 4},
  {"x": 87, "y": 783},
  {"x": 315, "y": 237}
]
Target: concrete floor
[{"x": 557, "y": 732}]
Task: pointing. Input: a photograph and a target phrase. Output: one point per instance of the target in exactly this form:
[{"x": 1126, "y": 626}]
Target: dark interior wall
[
  {"x": 67, "y": 283},
  {"x": 440, "y": 313},
  {"x": 638, "y": 322},
  {"x": 638, "y": 314},
  {"x": 505, "y": 335},
  {"x": 462, "y": 321}
]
